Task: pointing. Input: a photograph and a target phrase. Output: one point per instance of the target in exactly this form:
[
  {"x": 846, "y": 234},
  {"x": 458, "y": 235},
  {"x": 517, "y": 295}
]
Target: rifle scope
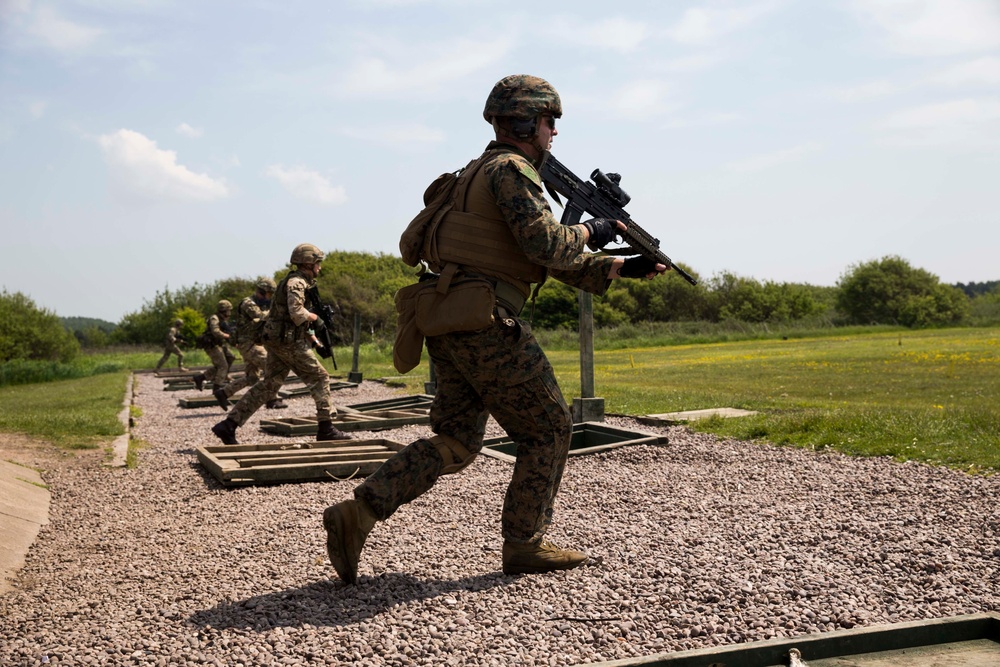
[{"x": 608, "y": 184}]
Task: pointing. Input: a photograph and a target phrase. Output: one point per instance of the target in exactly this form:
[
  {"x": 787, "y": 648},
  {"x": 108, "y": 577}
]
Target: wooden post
[
  {"x": 587, "y": 408},
  {"x": 430, "y": 388},
  {"x": 355, "y": 375}
]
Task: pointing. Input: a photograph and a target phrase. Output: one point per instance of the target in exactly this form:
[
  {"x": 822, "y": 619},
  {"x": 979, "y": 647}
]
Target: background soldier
[
  {"x": 217, "y": 348},
  {"x": 287, "y": 340},
  {"x": 499, "y": 369},
  {"x": 248, "y": 325},
  {"x": 170, "y": 346}
]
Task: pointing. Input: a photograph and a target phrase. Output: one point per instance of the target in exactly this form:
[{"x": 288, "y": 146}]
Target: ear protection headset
[{"x": 524, "y": 128}]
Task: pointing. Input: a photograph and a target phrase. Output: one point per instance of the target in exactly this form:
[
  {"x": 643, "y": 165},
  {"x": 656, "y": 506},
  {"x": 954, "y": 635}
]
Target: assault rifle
[
  {"x": 603, "y": 198},
  {"x": 324, "y": 325}
]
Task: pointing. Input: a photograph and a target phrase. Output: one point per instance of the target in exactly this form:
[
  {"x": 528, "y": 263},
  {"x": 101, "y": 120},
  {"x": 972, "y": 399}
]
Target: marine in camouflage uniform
[
  {"x": 288, "y": 341},
  {"x": 170, "y": 346},
  {"x": 249, "y": 318},
  {"x": 220, "y": 354},
  {"x": 499, "y": 370}
]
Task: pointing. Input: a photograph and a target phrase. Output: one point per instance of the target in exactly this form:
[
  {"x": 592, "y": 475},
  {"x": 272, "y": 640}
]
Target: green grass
[
  {"x": 75, "y": 414},
  {"x": 923, "y": 395},
  {"x": 927, "y": 395}
]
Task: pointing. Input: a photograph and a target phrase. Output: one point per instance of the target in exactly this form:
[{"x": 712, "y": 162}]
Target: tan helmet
[
  {"x": 306, "y": 253},
  {"x": 266, "y": 285},
  {"x": 178, "y": 322},
  {"x": 224, "y": 307},
  {"x": 522, "y": 96}
]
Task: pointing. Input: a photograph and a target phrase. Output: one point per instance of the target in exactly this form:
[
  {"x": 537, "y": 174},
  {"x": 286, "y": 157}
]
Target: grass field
[{"x": 926, "y": 395}]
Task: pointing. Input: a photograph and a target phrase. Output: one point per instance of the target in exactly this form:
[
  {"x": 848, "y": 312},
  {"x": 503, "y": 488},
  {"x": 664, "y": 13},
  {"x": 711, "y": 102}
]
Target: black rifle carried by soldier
[
  {"x": 324, "y": 325},
  {"x": 603, "y": 198}
]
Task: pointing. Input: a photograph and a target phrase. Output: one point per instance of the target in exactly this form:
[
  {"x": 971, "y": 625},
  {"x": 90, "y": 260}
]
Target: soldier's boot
[
  {"x": 275, "y": 404},
  {"x": 199, "y": 381},
  {"x": 226, "y": 431},
  {"x": 220, "y": 396},
  {"x": 347, "y": 526},
  {"x": 539, "y": 557},
  {"x": 326, "y": 431}
]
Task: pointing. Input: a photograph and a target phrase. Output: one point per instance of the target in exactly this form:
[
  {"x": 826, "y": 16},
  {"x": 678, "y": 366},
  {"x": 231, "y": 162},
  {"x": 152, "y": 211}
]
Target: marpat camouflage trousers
[
  {"x": 500, "y": 371},
  {"x": 281, "y": 358}
]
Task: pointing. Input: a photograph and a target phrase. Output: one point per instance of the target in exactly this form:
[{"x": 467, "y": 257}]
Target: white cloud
[
  {"x": 398, "y": 72},
  {"x": 767, "y": 160},
  {"x": 408, "y": 136},
  {"x": 694, "y": 63},
  {"x": 935, "y": 27},
  {"x": 308, "y": 185},
  {"x": 616, "y": 34},
  {"x": 37, "y": 108},
  {"x": 967, "y": 124},
  {"x": 984, "y": 72},
  {"x": 142, "y": 168},
  {"x": 704, "y": 25},
  {"x": 865, "y": 91},
  {"x": 641, "y": 99},
  {"x": 186, "y": 130},
  {"x": 956, "y": 112},
  {"x": 718, "y": 118},
  {"x": 60, "y": 33}
]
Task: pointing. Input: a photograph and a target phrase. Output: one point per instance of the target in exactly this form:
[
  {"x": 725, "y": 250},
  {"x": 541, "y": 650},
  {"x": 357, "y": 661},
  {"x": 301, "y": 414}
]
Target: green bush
[
  {"x": 33, "y": 333},
  {"x": 890, "y": 291}
]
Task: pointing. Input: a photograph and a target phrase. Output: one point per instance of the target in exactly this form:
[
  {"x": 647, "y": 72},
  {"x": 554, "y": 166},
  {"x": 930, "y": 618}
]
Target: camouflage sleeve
[
  {"x": 251, "y": 310},
  {"x": 213, "y": 326},
  {"x": 519, "y": 193},
  {"x": 297, "y": 310}
]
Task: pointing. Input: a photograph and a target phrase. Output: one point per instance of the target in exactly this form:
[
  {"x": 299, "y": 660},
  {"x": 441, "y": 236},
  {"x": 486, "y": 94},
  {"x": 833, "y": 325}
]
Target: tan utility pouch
[
  {"x": 409, "y": 345},
  {"x": 452, "y": 305},
  {"x": 437, "y": 307}
]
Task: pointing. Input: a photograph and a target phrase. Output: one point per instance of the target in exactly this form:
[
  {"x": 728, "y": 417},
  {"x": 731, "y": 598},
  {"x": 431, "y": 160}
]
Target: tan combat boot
[
  {"x": 539, "y": 557},
  {"x": 347, "y": 526}
]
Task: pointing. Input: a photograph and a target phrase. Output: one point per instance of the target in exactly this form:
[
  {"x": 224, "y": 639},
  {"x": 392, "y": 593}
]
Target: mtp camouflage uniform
[
  {"x": 287, "y": 340},
  {"x": 170, "y": 347},
  {"x": 220, "y": 354},
  {"x": 248, "y": 315}
]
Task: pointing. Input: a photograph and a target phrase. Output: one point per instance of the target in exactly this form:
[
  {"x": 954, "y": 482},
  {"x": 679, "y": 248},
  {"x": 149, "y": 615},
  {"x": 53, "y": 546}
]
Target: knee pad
[{"x": 453, "y": 453}]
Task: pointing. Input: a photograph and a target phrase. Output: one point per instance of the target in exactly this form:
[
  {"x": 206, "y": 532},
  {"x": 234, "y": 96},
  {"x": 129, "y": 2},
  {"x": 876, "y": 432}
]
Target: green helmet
[
  {"x": 306, "y": 253},
  {"x": 224, "y": 307},
  {"x": 265, "y": 285},
  {"x": 522, "y": 96},
  {"x": 178, "y": 322}
]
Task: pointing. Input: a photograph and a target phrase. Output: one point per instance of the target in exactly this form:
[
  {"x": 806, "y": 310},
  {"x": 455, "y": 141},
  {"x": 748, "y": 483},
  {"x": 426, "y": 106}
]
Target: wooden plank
[
  {"x": 272, "y": 463},
  {"x": 371, "y": 421},
  {"x": 304, "y": 391}
]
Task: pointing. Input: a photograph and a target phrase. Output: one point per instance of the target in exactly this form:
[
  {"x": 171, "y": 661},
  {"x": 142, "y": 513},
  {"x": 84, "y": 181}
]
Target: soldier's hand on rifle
[
  {"x": 601, "y": 231},
  {"x": 640, "y": 267}
]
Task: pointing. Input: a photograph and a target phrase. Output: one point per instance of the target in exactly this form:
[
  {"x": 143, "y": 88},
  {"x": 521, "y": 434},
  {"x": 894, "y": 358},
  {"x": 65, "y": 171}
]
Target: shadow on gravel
[
  {"x": 201, "y": 415},
  {"x": 332, "y": 603}
]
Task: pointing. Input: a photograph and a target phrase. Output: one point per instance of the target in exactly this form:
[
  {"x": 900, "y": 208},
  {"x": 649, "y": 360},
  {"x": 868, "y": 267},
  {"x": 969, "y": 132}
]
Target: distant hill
[
  {"x": 84, "y": 323},
  {"x": 978, "y": 289}
]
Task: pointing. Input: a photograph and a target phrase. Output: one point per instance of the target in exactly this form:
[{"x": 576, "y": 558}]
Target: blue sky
[{"x": 152, "y": 144}]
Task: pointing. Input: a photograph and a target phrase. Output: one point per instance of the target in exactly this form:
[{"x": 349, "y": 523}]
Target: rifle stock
[{"x": 603, "y": 198}]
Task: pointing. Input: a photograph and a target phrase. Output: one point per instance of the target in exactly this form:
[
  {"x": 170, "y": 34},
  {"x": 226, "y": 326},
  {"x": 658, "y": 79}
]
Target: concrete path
[{"x": 24, "y": 509}]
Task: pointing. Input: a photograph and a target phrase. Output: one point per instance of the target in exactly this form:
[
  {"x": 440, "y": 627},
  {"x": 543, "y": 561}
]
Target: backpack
[{"x": 438, "y": 200}]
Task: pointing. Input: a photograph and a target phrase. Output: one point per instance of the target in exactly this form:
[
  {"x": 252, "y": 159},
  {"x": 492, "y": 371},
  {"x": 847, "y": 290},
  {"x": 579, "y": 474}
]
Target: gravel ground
[{"x": 704, "y": 542}]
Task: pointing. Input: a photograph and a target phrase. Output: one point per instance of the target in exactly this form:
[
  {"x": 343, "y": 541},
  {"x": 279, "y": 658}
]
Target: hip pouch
[{"x": 436, "y": 307}]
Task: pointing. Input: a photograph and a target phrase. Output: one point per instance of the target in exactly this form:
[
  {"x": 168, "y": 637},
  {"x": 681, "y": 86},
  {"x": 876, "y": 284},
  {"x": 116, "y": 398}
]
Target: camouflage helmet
[
  {"x": 224, "y": 306},
  {"x": 306, "y": 253},
  {"x": 266, "y": 285},
  {"x": 522, "y": 96},
  {"x": 178, "y": 322}
]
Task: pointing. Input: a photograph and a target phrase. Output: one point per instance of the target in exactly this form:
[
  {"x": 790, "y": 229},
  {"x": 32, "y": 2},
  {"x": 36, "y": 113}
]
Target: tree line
[{"x": 884, "y": 291}]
